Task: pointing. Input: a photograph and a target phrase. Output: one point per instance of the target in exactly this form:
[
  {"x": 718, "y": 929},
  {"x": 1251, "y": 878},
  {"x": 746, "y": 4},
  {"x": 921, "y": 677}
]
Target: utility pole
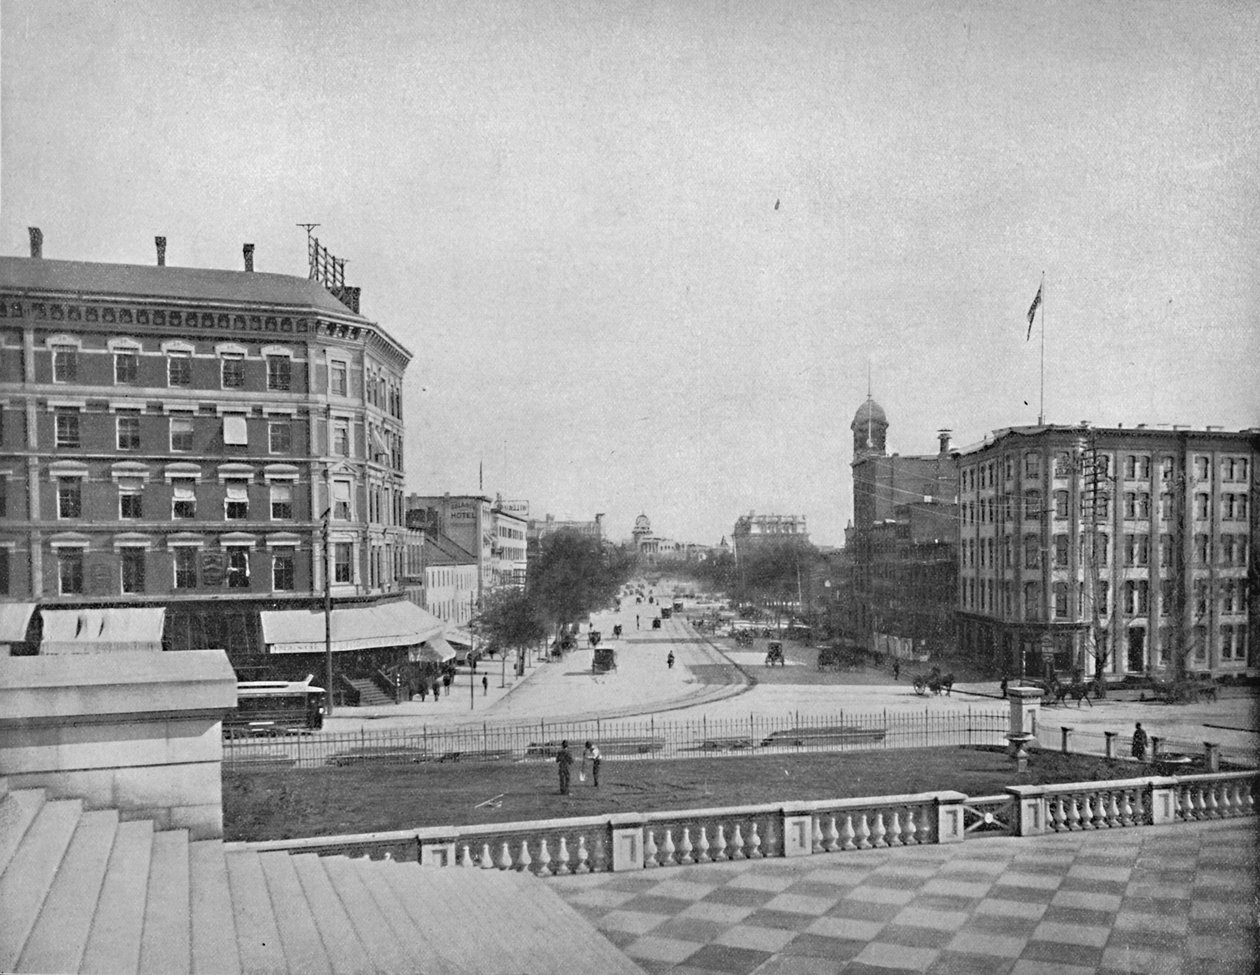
[
  {"x": 328, "y": 667},
  {"x": 1092, "y": 506}
]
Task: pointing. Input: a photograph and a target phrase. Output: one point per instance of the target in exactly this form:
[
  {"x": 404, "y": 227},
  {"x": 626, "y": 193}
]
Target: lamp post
[{"x": 328, "y": 668}]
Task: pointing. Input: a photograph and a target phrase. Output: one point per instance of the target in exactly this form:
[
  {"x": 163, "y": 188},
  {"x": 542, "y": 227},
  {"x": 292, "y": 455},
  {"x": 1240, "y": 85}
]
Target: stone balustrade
[{"x": 646, "y": 841}]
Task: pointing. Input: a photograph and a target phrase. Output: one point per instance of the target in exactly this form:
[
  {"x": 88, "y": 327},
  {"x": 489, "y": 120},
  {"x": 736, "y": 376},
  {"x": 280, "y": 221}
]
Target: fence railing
[
  {"x": 644, "y": 841},
  {"x": 643, "y": 738}
]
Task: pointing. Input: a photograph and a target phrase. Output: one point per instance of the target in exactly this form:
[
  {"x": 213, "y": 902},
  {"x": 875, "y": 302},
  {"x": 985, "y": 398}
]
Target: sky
[{"x": 646, "y": 255}]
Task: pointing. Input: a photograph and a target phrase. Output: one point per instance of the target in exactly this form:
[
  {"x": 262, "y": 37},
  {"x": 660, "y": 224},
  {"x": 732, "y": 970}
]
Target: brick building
[
  {"x": 182, "y": 438},
  {"x": 1133, "y": 545}
]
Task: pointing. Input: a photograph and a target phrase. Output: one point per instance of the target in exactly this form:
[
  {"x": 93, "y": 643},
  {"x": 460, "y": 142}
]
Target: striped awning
[
  {"x": 397, "y": 624},
  {"x": 102, "y": 630}
]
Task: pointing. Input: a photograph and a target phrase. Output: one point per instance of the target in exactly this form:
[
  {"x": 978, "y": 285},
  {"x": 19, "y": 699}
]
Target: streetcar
[{"x": 275, "y": 707}]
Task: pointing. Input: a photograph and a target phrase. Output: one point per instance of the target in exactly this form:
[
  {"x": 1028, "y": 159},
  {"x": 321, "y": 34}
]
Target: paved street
[{"x": 1158, "y": 901}]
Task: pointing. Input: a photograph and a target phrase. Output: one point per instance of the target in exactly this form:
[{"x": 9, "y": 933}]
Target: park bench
[
  {"x": 840, "y": 735},
  {"x": 728, "y": 744}
]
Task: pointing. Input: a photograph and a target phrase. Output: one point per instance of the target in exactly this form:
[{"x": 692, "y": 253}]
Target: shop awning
[
  {"x": 432, "y": 651},
  {"x": 102, "y": 630},
  {"x": 399, "y": 624},
  {"x": 458, "y": 636},
  {"x": 14, "y": 619}
]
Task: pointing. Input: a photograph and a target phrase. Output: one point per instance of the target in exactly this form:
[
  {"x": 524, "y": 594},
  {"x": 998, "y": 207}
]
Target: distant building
[
  {"x": 181, "y": 439},
  {"x": 478, "y": 525},
  {"x": 1136, "y": 545},
  {"x": 536, "y": 529},
  {"x": 753, "y": 529},
  {"x": 652, "y": 547},
  {"x": 902, "y": 542}
]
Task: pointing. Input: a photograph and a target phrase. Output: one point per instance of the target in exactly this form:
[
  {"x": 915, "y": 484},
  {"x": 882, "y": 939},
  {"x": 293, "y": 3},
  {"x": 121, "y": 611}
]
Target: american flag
[{"x": 1032, "y": 311}]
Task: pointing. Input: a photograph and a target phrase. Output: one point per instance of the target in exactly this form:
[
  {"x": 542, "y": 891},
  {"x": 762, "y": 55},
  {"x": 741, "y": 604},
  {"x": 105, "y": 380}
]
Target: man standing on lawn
[
  {"x": 564, "y": 765},
  {"x": 592, "y": 752}
]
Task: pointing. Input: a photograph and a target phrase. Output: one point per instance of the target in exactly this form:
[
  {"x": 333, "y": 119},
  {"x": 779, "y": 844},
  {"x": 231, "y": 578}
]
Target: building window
[
  {"x": 1032, "y": 505},
  {"x": 281, "y": 502},
  {"x": 1202, "y": 469},
  {"x": 237, "y": 566},
  {"x": 279, "y": 436},
  {"x": 183, "y": 498},
  {"x": 1104, "y": 598},
  {"x": 1167, "y": 595},
  {"x": 65, "y": 364},
  {"x": 4, "y": 497},
  {"x": 130, "y": 493},
  {"x": 341, "y": 439},
  {"x": 337, "y": 373},
  {"x": 1202, "y": 549},
  {"x": 342, "y": 508},
  {"x": 279, "y": 372},
  {"x": 1166, "y": 468},
  {"x": 4, "y": 572},
  {"x": 235, "y": 430},
  {"x": 1136, "y": 550},
  {"x": 1060, "y": 551},
  {"x": 1032, "y": 552},
  {"x": 233, "y": 371},
  {"x": 128, "y": 432},
  {"x": 1202, "y": 506},
  {"x": 69, "y": 497},
  {"x": 1060, "y": 504},
  {"x": 1062, "y": 465},
  {"x": 1032, "y": 465},
  {"x": 1234, "y": 507},
  {"x": 181, "y": 434},
  {"x": 236, "y": 501},
  {"x": 1137, "y": 468},
  {"x": 1032, "y": 601},
  {"x": 126, "y": 367},
  {"x": 185, "y": 558},
  {"x": 178, "y": 369},
  {"x": 70, "y": 571},
  {"x": 1201, "y": 592},
  {"x": 1165, "y": 507},
  {"x": 343, "y": 567},
  {"x": 1135, "y": 597},
  {"x": 1060, "y": 600},
  {"x": 282, "y": 572},
  {"x": 132, "y": 560},
  {"x": 67, "y": 428}
]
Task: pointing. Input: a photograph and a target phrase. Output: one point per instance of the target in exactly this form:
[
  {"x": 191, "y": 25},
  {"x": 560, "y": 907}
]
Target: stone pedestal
[{"x": 136, "y": 731}]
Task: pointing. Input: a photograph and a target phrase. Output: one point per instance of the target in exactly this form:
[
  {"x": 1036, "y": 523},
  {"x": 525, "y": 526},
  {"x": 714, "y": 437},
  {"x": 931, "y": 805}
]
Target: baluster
[
  {"x": 847, "y": 834},
  {"x": 1187, "y": 803},
  {"x": 754, "y": 843},
  {"x": 911, "y": 829},
  {"x": 1099, "y": 811},
  {"x": 649, "y": 849},
  {"x": 562, "y": 858},
  {"x": 1250, "y": 795},
  {"x": 702, "y": 845},
  {"x": 1126, "y": 809},
  {"x": 894, "y": 830},
  {"x": 1058, "y": 816},
  {"x": 1073, "y": 813},
  {"x": 737, "y": 844},
  {"x": 831, "y": 836},
  {"x": 505, "y": 857},
  {"x": 879, "y": 831},
  {"x": 1213, "y": 810},
  {"x": 719, "y": 844},
  {"x": 684, "y": 847},
  {"x": 1225, "y": 799},
  {"x": 863, "y": 833},
  {"x": 816, "y": 835},
  {"x": 544, "y": 860},
  {"x": 465, "y": 859},
  {"x": 1113, "y": 810},
  {"x": 524, "y": 861},
  {"x": 668, "y": 849},
  {"x": 582, "y": 865},
  {"x": 486, "y": 860}
]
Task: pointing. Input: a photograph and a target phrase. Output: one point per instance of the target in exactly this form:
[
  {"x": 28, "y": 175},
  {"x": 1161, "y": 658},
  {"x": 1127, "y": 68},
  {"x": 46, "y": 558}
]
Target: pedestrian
[
  {"x": 592, "y": 753},
  {"x": 446, "y": 683},
  {"x": 670, "y": 660},
  {"x": 1139, "y": 742},
  {"x": 564, "y": 765},
  {"x": 636, "y": 621},
  {"x": 424, "y": 690},
  {"x": 485, "y": 685},
  {"x": 896, "y": 670},
  {"x": 437, "y": 691},
  {"x": 1006, "y": 683}
]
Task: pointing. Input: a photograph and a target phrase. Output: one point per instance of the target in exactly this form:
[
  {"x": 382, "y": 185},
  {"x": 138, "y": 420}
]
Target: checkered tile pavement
[{"x": 1174, "y": 899}]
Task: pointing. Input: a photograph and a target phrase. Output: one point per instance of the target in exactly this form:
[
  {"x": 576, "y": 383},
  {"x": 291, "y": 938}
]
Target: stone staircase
[
  {"x": 369, "y": 694},
  {"x": 83, "y": 891}
]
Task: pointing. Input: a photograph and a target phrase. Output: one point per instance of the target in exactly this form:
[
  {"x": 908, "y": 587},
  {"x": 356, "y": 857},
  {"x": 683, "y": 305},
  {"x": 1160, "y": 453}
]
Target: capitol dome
[{"x": 641, "y": 524}]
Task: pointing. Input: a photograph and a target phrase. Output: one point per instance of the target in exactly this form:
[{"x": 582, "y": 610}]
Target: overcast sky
[{"x": 643, "y": 252}]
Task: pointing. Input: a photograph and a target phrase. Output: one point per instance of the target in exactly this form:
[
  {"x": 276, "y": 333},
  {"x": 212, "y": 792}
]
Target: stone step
[
  {"x": 60, "y": 935},
  {"x": 299, "y": 936},
  {"x": 165, "y": 947},
  {"x": 430, "y": 918},
  {"x": 118, "y": 927},
  {"x": 369, "y": 694},
  {"x": 214, "y": 950},
  {"x": 342, "y": 944},
  {"x": 29, "y": 875},
  {"x": 388, "y": 940},
  {"x": 257, "y": 935}
]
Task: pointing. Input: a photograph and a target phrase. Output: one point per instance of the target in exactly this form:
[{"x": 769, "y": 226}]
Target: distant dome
[
  {"x": 641, "y": 524},
  {"x": 869, "y": 412}
]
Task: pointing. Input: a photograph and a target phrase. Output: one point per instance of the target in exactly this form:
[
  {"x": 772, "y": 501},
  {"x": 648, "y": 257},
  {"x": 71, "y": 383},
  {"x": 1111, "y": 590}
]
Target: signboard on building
[
  {"x": 213, "y": 568},
  {"x": 518, "y": 508}
]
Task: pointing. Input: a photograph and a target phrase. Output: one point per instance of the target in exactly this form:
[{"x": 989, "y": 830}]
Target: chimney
[
  {"x": 943, "y": 437},
  {"x": 161, "y": 250},
  {"x": 37, "y": 242},
  {"x": 249, "y": 257}
]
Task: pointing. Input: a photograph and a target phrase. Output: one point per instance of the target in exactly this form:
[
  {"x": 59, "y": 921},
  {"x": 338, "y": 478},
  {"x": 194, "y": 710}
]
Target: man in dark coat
[{"x": 564, "y": 765}]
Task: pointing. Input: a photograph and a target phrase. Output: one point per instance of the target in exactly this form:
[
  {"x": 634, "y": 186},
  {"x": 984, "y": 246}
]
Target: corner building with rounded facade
[{"x": 173, "y": 437}]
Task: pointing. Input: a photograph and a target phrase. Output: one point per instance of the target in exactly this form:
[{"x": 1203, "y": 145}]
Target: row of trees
[{"x": 573, "y": 576}]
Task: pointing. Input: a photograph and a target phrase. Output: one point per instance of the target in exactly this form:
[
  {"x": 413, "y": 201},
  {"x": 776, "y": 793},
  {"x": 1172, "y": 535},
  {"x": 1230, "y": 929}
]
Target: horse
[{"x": 938, "y": 683}]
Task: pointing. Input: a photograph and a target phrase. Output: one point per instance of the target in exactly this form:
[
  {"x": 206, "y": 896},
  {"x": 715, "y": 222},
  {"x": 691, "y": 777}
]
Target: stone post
[
  {"x": 139, "y": 731},
  {"x": 1066, "y": 733},
  {"x": 1211, "y": 756},
  {"x": 1110, "y": 750},
  {"x": 1156, "y": 747},
  {"x": 1025, "y": 703}
]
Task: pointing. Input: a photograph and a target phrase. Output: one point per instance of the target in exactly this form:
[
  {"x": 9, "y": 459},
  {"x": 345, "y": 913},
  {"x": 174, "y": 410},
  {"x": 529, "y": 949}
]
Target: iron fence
[{"x": 633, "y": 738}]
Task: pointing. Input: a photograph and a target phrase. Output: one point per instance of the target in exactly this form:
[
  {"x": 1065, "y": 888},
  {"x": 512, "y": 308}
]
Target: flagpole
[{"x": 1041, "y": 404}]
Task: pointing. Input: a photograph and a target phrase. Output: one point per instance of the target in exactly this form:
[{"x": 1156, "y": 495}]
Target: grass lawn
[{"x": 285, "y": 803}]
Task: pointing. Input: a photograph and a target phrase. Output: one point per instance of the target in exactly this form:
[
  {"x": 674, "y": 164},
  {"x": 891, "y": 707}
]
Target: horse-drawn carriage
[
  {"x": 1185, "y": 691},
  {"x": 935, "y": 682},
  {"x": 744, "y": 638},
  {"x": 774, "y": 654}
]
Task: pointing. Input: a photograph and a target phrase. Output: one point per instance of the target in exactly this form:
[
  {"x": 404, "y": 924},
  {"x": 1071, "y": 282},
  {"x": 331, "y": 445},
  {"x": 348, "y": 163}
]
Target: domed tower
[
  {"x": 642, "y": 530},
  {"x": 870, "y": 429}
]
